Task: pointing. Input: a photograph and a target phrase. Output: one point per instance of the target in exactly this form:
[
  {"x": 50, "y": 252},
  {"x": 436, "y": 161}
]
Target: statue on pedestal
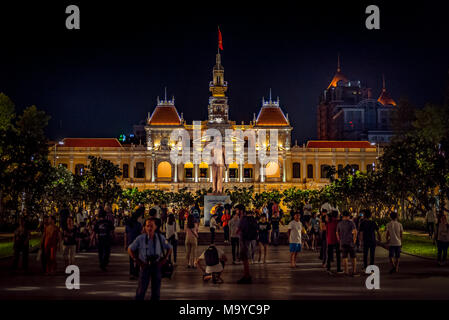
[{"x": 217, "y": 165}]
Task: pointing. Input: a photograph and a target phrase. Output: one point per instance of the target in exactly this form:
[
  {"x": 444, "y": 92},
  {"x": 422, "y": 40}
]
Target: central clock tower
[{"x": 218, "y": 109}]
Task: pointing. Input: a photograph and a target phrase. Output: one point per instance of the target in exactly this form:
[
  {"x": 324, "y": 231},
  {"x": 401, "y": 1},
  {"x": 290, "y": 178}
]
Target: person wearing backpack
[
  {"x": 195, "y": 211},
  {"x": 215, "y": 260},
  {"x": 247, "y": 231}
]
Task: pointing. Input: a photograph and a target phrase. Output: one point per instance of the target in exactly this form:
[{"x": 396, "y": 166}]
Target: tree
[
  {"x": 241, "y": 195},
  {"x": 27, "y": 157},
  {"x": 100, "y": 181}
]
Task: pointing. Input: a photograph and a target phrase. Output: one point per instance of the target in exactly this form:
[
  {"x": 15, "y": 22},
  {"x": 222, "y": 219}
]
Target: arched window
[
  {"x": 164, "y": 170},
  {"x": 296, "y": 170},
  {"x": 272, "y": 170}
]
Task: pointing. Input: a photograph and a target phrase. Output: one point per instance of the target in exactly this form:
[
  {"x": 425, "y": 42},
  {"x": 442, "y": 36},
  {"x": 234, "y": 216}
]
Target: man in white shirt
[
  {"x": 394, "y": 241},
  {"x": 294, "y": 236}
]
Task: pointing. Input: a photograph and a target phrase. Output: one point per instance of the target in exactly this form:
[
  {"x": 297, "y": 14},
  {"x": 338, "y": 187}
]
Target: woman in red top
[{"x": 225, "y": 220}]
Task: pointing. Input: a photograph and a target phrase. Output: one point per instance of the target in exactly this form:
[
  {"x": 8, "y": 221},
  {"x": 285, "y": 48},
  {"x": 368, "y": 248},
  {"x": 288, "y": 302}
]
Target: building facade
[
  {"x": 347, "y": 111},
  {"x": 149, "y": 165}
]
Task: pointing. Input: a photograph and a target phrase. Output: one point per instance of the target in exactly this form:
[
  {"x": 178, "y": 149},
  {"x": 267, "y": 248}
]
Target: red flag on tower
[{"x": 220, "y": 40}]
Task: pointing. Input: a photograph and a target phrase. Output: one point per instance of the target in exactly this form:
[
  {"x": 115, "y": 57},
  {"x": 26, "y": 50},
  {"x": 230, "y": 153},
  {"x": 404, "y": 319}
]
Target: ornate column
[
  {"x": 262, "y": 173},
  {"x": 153, "y": 174},
  {"x": 71, "y": 165},
  {"x": 175, "y": 178},
  {"x": 131, "y": 167},
  {"x": 148, "y": 167},
  {"x": 284, "y": 171},
  {"x": 240, "y": 172}
]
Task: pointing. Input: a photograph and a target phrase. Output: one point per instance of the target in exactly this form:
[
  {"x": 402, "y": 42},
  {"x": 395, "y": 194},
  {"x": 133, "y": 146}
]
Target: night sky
[{"x": 102, "y": 79}]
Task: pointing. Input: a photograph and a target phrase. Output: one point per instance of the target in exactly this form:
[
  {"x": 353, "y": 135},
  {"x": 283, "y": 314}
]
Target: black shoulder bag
[{"x": 167, "y": 267}]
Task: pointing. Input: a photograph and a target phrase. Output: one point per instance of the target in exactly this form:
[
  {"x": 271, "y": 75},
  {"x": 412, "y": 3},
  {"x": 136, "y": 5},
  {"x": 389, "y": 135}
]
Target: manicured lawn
[
  {"x": 6, "y": 247},
  {"x": 419, "y": 245}
]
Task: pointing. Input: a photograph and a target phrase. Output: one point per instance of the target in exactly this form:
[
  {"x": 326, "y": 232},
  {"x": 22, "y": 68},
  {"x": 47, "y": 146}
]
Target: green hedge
[{"x": 406, "y": 224}]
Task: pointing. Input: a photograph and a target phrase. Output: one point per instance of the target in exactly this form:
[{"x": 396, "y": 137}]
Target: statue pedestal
[{"x": 210, "y": 201}]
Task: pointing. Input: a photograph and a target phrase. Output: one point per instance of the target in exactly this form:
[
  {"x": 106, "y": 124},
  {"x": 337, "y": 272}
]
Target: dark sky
[{"x": 102, "y": 79}]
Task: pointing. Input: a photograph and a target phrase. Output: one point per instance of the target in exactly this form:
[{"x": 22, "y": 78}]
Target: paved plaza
[{"x": 418, "y": 279}]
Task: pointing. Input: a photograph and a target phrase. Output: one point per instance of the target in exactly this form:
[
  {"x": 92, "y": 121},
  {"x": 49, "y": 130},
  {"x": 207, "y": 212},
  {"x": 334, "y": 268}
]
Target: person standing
[
  {"x": 347, "y": 237},
  {"x": 294, "y": 238},
  {"x": 21, "y": 245},
  {"x": 307, "y": 212},
  {"x": 64, "y": 213},
  {"x": 104, "y": 230},
  {"x": 233, "y": 227},
  {"x": 133, "y": 228},
  {"x": 323, "y": 237},
  {"x": 164, "y": 215},
  {"x": 247, "y": 231},
  {"x": 195, "y": 211},
  {"x": 332, "y": 241},
  {"x": 69, "y": 242},
  {"x": 263, "y": 237},
  {"x": 191, "y": 240},
  {"x": 147, "y": 250},
  {"x": 171, "y": 234},
  {"x": 314, "y": 230},
  {"x": 442, "y": 238},
  {"x": 79, "y": 216},
  {"x": 367, "y": 235},
  {"x": 213, "y": 225},
  {"x": 182, "y": 216},
  {"x": 394, "y": 241},
  {"x": 225, "y": 221},
  {"x": 51, "y": 238},
  {"x": 275, "y": 221},
  {"x": 431, "y": 219}
]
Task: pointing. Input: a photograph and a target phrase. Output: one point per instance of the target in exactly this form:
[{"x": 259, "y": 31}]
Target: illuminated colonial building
[
  {"x": 347, "y": 111},
  {"x": 149, "y": 166}
]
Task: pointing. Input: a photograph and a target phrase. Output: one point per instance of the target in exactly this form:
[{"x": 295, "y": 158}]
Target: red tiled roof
[
  {"x": 339, "y": 144},
  {"x": 165, "y": 115},
  {"x": 91, "y": 143},
  {"x": 271, "y": 116}
]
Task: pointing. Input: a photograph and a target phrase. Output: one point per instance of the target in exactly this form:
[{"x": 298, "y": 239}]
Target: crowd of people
[{"x": 151, "y": 239}]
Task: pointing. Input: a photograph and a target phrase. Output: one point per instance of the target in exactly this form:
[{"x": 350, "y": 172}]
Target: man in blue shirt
[{"x": 148, "y": 252}]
